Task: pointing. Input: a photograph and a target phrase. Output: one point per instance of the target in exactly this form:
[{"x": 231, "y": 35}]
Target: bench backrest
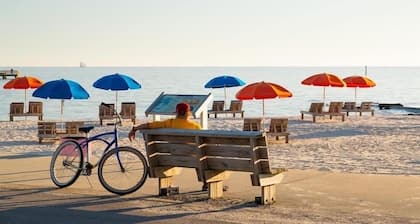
[
  {"x": 335, "y": 107},
  {"x": 47, "y": 128},
  {"x": 72, "y": 127},
  {"x": 106, "y": 109},
  {"x": 349, "y": 105},
  {"x": 218, "y": 105},
  {"x": 235, "y": 105},
  {"x": 252, "y": 124},
  {"x": 366, "y": 106},
  {"x": 278, "y": 125},
  {"x": 35, "y": 107},
  {"x": 16, "y": 108},
  {"x": 207, "y": 150},
  {"x": 316, "y": 107},
  {"x": 128, "y": 109}
]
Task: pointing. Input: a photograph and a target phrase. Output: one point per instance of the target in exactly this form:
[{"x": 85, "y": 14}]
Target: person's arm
[{"x": 132, "y": 133}]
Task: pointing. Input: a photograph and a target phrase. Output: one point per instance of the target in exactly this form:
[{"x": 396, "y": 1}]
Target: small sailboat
[{"x": 82, "y": 64}]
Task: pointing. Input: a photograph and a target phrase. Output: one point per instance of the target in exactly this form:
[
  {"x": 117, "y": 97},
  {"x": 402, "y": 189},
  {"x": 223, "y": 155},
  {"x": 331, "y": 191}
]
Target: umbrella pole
[
  {"x": 225, "y": 107},
  {"x": 116, "y": 101},
  {"x": 62, "y": 106},
  {"x": 323, "y": 96},
  {"x": 263, "y": 117},
  {"x": 355, "y": 95},
  {"x": 25, "y": 104}
]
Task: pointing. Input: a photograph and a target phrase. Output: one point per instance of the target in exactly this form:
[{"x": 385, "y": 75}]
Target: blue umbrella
[
  {"x": 116, "y": 82},
  {"x": 224, "y": 81},
  {"x": 61, "y": 89}
]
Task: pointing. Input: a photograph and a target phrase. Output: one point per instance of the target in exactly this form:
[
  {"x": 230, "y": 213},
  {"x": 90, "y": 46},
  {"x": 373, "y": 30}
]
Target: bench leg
[
  {"x": 268, "y": 194},
  {"x": 215, "y": 189},
  {"x": 166, "y": 186},
  {"x": 287, "y": 139},
  {"x": 301, "y": 116}
]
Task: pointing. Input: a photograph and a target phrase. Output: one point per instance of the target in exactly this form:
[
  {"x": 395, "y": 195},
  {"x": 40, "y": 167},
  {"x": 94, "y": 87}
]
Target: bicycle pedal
[{"x": 86, "y": 172}]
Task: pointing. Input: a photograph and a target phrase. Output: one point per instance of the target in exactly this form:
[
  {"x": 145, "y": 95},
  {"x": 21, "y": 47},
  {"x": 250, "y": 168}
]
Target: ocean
[{"x": 393, "y": 85}]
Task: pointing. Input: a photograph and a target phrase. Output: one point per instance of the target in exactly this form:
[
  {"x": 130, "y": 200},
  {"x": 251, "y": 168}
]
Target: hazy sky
[{"x": 209, "y": 32}]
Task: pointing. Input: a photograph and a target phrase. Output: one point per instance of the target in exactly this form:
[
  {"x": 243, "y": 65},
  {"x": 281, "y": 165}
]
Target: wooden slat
[
  {"x": 226, "y": 140},
  {"x": 172, "y": 138},
  {"x": 173, "y": 148},
  {"x": 227, "y": 151},
  {"x": 176, "y": 161},
  {"x": 215, "y": 163}
]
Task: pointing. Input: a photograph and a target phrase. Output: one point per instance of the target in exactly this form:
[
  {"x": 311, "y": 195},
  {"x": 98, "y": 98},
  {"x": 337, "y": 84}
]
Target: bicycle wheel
[
  {"x": 66, "y": 163},
  {"x": 127, "y": 177}
]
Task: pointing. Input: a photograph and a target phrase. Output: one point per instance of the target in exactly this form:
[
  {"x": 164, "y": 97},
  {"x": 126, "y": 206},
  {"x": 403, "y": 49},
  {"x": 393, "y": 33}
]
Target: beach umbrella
[
  {"x": 324, "y": 80},
  {"x": 116, "y": 82},
  {"x": 261, "y": 91},
  {"x": 61, "y": 89},
  {"x": 24, "y": 82},
  {"x": 357, "y": 81},
  {"x": 224, "y": 81}
]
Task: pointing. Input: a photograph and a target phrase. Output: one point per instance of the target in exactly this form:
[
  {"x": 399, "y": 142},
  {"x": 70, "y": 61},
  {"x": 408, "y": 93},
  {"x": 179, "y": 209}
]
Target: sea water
[{"x": 393, "y": 85}]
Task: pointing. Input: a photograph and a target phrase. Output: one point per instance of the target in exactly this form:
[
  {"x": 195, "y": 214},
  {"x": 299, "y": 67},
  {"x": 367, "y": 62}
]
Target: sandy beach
[{"x": 363, "y": 170}]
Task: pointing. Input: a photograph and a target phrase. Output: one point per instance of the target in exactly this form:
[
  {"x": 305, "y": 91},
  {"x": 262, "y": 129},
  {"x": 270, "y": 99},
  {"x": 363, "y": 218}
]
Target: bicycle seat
[{"x": 86, "y": 129}]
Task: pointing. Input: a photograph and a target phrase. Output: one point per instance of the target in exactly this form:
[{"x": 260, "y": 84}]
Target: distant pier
[{"x": 9, "y": 73}]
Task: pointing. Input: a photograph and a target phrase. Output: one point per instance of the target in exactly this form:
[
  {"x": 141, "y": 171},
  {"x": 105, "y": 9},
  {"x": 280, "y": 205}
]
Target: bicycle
[{"x": 121, "y": 169}]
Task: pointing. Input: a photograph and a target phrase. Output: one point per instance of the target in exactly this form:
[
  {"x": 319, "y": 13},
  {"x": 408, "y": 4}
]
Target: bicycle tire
[
  {"x": 131, "y": 178},
  {"x": 66, "y": 163}
]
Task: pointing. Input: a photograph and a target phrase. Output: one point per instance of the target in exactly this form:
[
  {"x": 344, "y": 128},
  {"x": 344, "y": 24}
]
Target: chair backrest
[
  {"x": 366, "y": 106},
  {"x": 349, "y": 105},
  {"x": 35, "y": 107},
  {"x": 72, "y": 127},
  {"x": 47, "y": 128},
  {"x": 316, "y": 107},
  {"x": 252, "y": 124},
  {"x": 335, "y": 107},
  {"x": 128, "y": 109},
  {"x": 236, "y": 105},
  {"x": 278, "y": 124},
  {"x": 106, "y": 109},
  {"x": 16, "y": 108},
  {"x": 218, "y": 105}
]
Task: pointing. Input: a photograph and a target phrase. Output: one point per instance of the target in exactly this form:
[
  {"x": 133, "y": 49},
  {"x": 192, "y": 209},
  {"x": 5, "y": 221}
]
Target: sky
[{"x": 210, "y": 32}]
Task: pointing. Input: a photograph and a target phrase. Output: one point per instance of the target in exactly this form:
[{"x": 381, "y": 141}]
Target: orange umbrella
[
  {"x": 262, "y": 90},
  {"x": 24, "y": 82},
  {"x": 324, "y": 80},
  {"x": 358, "y": 81}
]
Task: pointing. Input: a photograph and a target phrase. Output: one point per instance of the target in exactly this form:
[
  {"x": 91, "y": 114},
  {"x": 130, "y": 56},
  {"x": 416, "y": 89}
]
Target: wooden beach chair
[
  {"x": 316, "y": 110},
  {"x": 128, "y": 111},
  {"x": 235, "y": 107},
  {"x": 335, "y": 110},
  {"x": 252, "y": 124},
  {"x": 278, "y": 127},
  {"x": 35, "y": 109},
  {"x": 47, "y": 130},
  {"x": 350, "y": 107},
  {"x": 217, "y": 107},
  {"x": 16, "y": 109},
  {"x": 366, "y": 107},
  {"x": 106, "y": 111},
  {"x": 72, "y": 128}
]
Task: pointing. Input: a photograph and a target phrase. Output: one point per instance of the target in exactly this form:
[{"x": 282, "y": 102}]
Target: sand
[{"x": 363, "y": 170}]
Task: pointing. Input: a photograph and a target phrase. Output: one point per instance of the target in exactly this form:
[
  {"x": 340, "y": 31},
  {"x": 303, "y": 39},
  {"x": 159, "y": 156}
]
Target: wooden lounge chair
[
  {"x": 72, "y": 128},
  {"x": 350, "y": 107},
  {"x": 106, "y": 111},
  {"x": 252, "y": 124},
  {"x": 218, "y": 107},
  {"x": 16, "y": 109},
  {"x": 235, "y": 107},
  {"x": 278, "y": 127},
  {"x": 47, "y": 130},
  {"x": 366, "y": 107},
  {"x": 316, "y": 110},
  {"x": 128, "y": 111},
  {"x": 35, "y": 109},
  {"x": 335, "y": 109}
]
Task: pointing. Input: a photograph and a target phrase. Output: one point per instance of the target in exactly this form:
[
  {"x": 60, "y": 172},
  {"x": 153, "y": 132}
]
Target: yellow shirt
[{"x": 175, "y": 123}]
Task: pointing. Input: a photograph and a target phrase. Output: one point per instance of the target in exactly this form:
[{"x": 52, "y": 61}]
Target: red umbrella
[
  {"x": 324, "y": 80},
  {"x": 262, "y": 90},
  {"x": 24, "y": 82},
  {"x": 358, "y": 81}
]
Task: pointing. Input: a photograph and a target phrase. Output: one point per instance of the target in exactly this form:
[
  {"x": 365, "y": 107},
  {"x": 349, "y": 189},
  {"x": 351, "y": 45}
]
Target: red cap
[{"x": 182, "y": 108}]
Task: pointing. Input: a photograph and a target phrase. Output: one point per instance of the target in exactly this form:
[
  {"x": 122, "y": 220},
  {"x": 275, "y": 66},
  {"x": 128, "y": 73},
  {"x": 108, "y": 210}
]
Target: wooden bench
[
  {"x": 336, "y": 110},
  {"x": 212, "y": 153},
  {"x": 278, "y": 127},
  {"x": 128, "y": 111},
  {"x": 51, "y": 130},
  {"x": 235, "y": 108},
  {"x": 217, "y": 107},
  {"x": 17, "y": 110},
  {"x": 366, "y": 107},
  {"x": 106, "y": 112}
]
